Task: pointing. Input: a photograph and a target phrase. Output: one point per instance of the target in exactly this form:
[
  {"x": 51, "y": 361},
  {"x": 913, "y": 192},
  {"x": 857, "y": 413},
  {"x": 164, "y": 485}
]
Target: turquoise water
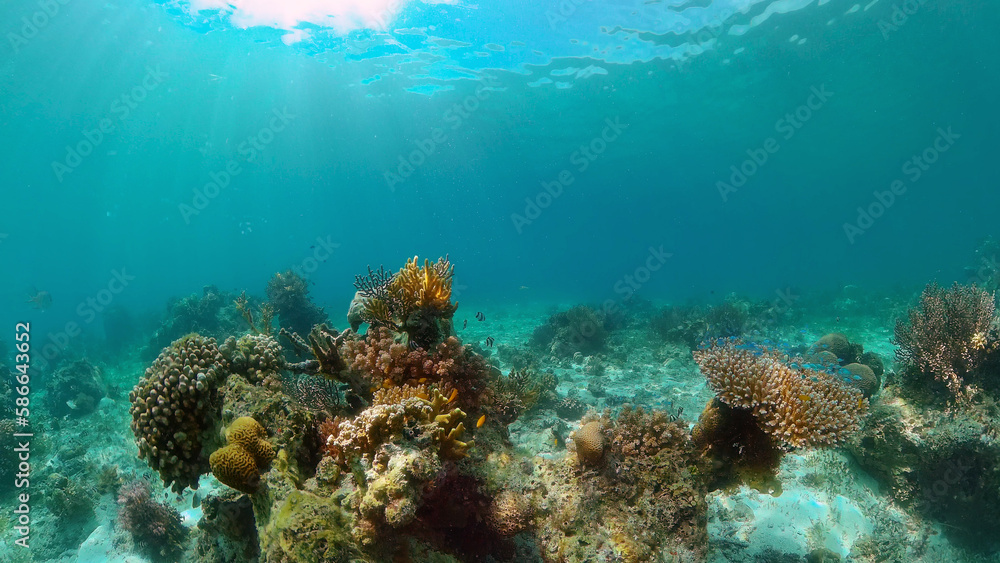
[{"x": 824, "y": 160}]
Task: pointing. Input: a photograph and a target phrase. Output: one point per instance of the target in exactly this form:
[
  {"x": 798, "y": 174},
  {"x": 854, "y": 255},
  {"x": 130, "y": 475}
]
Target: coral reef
[
  {"x": 796, "y": 405},
  {"x": 416, "y": 301},
  {"x": 154, "y": 527},
  {"x": 288, "y": 293},
  {"x": 450, "y": 365},
  {"x": 642, "y": 499},
  {"x": 211, "y": 314},
  {"x": 254, "y": 356},
  {"x": 394, "y": 410},
  {"x": 578, "y": 330},
  {"x": 227, "y": 532},
  {"x": 949, "y": 334},
  {"x": 942, "y": 465},
  {"x": 74, "y": 389},
  {"x": 175, "y": 409},
  {"x": 245, "y": 455}
]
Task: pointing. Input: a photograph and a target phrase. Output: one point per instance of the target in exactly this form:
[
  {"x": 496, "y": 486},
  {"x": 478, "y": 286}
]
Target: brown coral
[
  {"x": 590, "y": 442},
  {"x": 240, "y": 463},
  {"x": 949, "y": 334},
  {"x": 234, "y": 466},
  {"x": 798, "y": 406},
  {"x": 510, "y": 513},
  {"x": 863, "y": 378},
  {"x": 383, "y": 423},
  {"x": 174, "y": 405}
]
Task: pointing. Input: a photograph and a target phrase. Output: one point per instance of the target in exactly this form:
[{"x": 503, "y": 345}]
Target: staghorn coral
[
  {"x": 949, "y": 334},
  {"x": 240, "y": 462},
  {"x": 416, "y": 301},
  {"x": 154, "y": 526},
  {"x": 289, "y": 295},
  {"x": 175, "y": 408},
  {"x": 797, "y": 406},
  {"x": 266, "y": 315}
]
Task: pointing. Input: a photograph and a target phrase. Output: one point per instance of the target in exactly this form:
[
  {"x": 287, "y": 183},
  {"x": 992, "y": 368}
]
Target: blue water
[{"x": 507, "y": 96}]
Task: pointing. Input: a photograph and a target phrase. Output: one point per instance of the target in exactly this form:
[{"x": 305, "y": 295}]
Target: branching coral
[
  {"x": 797, "y": 406},
  {"x": 266, "y": 315},
  {"x": 949, "y": 334},
  {"x": 174, "y": 405},
  {"x": 415, "y": 301},
  {"x": 154, "y": 526}
]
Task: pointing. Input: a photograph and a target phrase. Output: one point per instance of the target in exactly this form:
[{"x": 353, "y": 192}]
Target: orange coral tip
[
  {"x": 481, "y": 421},
  {"x": 454, "y": 395}
]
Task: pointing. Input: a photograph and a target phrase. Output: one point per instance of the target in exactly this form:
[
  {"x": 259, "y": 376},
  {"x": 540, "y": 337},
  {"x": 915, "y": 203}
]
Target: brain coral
[
  {"x": 240, "y": 463},
  {"x": 590, "y": 443},
  {"x": 174, "y": 406}
]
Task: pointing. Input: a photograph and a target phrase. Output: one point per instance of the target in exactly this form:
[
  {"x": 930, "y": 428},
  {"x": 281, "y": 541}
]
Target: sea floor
[{"x": 826, "y": 501}]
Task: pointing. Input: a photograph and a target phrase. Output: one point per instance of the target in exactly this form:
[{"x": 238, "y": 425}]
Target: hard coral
[
  {"x": 174, "y": 406},
  {"x": 797, "y": 406},
  {"x": 384, "y": 422},
  {"x": 949, "y": 334},
  {"x": 240, "y": 463},
  {"x": 450, "y": 365},
  {"x": 590, "y": 442},
  {"x": 415, "y": 301}
]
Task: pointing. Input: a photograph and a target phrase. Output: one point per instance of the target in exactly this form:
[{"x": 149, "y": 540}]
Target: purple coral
[{"x": 154, "y": 526}]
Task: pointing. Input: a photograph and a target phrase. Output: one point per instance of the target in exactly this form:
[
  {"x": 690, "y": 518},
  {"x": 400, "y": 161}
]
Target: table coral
[{"x": 796, "y": 405}]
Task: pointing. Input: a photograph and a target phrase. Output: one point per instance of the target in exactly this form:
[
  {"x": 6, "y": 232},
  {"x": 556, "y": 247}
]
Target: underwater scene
[{"x": 677, "y": 281}]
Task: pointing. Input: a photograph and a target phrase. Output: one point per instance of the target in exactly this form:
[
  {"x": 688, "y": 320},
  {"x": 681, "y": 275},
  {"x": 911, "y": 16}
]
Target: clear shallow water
[{"x": 434, "y": 128}]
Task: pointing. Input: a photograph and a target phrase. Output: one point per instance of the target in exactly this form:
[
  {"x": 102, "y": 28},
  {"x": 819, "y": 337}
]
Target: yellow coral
[
  {"x": 239, "y": 463},
  {"x": 234, "y": 466},
  {"x": 426, "y": 286},
  {"x": 249, "y": 434}
]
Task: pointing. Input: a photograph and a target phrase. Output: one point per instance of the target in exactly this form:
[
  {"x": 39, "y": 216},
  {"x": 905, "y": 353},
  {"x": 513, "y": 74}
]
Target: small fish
[
  {"x": 454, "y": 395},
  {"x": 523, "y": 287},
  {"x": 465, "y": 324},
  {"x": 804, "y": 397},
  {"x": 480, "y": 316},
  {"x": 414, "y": 345},
  {"x": 489, "y": 341},
  {"x": 481, "y": 421},
  {"x": 40, "y": 300}
]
